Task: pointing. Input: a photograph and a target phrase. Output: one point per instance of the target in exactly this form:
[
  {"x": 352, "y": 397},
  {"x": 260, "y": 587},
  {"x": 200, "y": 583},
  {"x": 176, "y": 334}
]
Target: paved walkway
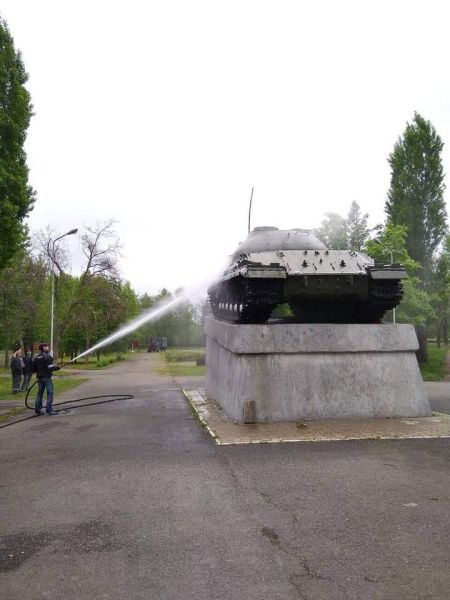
[{"x": 132, "y": 500}]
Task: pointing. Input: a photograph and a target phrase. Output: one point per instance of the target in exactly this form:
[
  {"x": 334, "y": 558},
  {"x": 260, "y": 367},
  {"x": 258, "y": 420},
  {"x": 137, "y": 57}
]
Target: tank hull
[{"x": 320, "y": 285}]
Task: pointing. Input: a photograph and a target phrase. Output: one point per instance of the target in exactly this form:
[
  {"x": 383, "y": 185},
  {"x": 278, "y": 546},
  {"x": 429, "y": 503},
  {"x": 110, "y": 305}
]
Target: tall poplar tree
[
  {"x": 416, "y": 194},
  {"x": 16, "y": 196}
]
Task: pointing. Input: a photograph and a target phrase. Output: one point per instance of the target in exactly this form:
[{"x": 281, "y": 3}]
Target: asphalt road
[
  {"x": 438, "y": 393},
  {"x": 132, "y": 500}
]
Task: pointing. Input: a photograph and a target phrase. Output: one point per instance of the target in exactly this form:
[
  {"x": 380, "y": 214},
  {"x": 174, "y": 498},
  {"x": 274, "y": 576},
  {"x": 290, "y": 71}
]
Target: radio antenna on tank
[{"x": 250, "y": 209}]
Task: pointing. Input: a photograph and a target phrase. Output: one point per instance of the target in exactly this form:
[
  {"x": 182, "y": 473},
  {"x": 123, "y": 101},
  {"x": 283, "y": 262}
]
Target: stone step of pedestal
[{"x": 226, "y": 432}]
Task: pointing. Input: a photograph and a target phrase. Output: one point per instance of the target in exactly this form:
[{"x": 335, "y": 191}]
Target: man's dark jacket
[
  {"x": 28, "y": 362},
  {"x": 16, "y": 365},
  {"x": 41, "y": 365}
]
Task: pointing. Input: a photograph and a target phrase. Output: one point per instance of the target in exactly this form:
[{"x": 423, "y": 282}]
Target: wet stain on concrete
[
  {"x": 49, "y": 423},
  {"x": 15, "y": 549},
  {"x": 86, "y": 427},
  {"x": 91, "y": 536},
  {"x": 271, "y": 535}
]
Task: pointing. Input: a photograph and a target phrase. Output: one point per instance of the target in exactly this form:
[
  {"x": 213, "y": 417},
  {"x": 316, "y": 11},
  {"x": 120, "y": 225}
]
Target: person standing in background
[
  {"x": 16, "y": 369},
  {"x": 27, "y": 370}
]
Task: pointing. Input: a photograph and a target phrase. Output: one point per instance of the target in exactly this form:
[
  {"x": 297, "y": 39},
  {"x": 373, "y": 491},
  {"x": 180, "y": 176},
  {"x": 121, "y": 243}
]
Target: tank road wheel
[{"x": 241, "y": 300}]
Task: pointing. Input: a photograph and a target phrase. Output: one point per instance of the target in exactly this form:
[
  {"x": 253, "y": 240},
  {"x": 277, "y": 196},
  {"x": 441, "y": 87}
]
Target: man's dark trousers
[
  {"x": 16, "y": 377},
  {"x": 44, "y": 383}
]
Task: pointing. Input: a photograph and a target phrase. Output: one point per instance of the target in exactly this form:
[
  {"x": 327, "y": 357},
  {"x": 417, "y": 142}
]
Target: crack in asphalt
[{"x": 275, "y": 539}]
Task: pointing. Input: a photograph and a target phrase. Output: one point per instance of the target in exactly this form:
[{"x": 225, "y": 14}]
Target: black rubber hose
[{"x": 112, "y": 398}]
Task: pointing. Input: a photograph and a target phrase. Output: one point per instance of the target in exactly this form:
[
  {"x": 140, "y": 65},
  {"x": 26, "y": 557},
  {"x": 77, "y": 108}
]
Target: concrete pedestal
[{"x": 285, "y": 372}]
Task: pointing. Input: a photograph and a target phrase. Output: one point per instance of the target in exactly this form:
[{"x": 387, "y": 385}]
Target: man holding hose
[{"x": 43, "y": 367}]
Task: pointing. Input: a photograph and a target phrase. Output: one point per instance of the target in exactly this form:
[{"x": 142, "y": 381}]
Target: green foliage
[
  {"x": 22, "y": 283},
  {"x": 98, "y": 306},
  {"x": 104, "y": 362},
  {"x": 416, "y": 305},
  {"x": 182, "y": 362},
  {"x": 178, "y": 370},
  {"x": 182, "y": 326},
  {"x": 61, "y": 384},
  {"x": 357, "y": 229},
  {"x": 282, "y": 311},
  {"x": 16, "y": 196},
  {"x": 390, "y": 246},
  {"x": 435, "y": 367},
  {"x": 333, "y": 232},
  {"x": 415, "y": 197},
  {"x": 339, "y": 233},
  {"x": 439, "y": 286},
  {"x": 92, "y": 363}
]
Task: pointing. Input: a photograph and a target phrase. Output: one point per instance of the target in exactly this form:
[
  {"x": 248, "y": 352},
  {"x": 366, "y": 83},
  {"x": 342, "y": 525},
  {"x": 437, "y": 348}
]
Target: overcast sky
[{"x": 163, "y": 115}]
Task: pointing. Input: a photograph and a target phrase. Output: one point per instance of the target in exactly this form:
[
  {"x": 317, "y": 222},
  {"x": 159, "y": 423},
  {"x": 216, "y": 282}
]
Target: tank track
[
  {"x": 383, "y": 295},
  {"x": 242, "y": 300}
]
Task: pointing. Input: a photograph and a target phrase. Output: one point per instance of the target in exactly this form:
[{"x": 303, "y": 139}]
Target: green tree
[
  {"x": 340, "y": 233},
  {"x": 333, "y": 232},
  {"x": 21, "y": 287},
  {"x": 181, "y": 326},
  {"x": 439, "y": 287},
  {"x": 390, "y": 246},
  {"x": 415, "y": 197},
  {"x": 357, "y": 229},
  {"x": 101, "y": 248},
  {"x": 16, "y": 196}
]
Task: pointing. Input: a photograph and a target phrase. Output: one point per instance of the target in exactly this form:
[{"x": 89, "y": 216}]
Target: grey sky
[{"x": 163, "y": 115}]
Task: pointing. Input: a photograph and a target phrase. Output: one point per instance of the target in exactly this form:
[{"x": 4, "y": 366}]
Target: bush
[{"x": 104, "y": 362}]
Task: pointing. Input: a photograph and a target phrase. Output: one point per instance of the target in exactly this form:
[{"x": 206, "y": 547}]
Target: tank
[{"x": 321, "y": 285}]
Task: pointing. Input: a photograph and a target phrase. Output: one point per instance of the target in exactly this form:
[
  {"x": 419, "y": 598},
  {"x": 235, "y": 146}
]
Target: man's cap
[{"x": 41, "y": 346}]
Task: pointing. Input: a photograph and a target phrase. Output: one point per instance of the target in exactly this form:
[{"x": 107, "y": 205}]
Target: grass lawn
[
  {"x": 60, "y": 384},
  {"x": 434, "y": 369},
  {"x": 182, "y": 369},
  {"x": 181, "y": 362}
]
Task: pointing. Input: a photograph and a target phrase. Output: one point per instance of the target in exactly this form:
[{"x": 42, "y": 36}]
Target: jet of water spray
[
  {"x": 148, "y": 315},
  {"x": 193, "y": 292}
]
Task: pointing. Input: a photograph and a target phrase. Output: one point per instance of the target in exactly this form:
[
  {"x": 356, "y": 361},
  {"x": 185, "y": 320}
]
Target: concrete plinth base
[{"x": 285, "y": 372}]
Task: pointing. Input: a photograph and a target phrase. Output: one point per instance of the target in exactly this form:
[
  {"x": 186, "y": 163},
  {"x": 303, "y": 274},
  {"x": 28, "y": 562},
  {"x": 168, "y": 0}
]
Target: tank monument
[{"x": 334, "y": 358}]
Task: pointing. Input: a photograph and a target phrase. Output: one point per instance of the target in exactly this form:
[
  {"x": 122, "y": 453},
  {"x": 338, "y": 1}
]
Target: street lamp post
[{"x": 52, "y": 310}]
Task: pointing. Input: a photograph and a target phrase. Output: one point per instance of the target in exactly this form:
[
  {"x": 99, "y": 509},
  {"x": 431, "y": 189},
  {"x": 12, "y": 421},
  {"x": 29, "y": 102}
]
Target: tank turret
[{"x": 274, "y": 266}]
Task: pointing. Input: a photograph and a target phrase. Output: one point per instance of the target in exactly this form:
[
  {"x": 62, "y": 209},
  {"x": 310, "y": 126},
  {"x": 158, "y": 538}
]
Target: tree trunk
[
  {"x": 438, "y": 332},
  {"x": 445, "y": 331},
  {"x": 422, "y": 352},
  {"x": 86, "y": 358}
]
